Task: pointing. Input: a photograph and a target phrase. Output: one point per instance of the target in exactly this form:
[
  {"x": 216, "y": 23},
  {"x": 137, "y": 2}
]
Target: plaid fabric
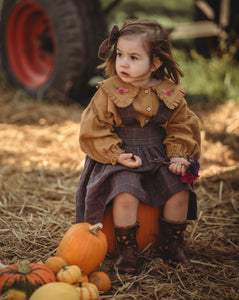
[{"x": 152, "y": 183}]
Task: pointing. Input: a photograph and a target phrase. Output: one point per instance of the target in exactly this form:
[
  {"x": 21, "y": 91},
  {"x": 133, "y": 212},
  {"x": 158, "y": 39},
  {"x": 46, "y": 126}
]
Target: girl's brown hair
[{"x": 157, "y": 44}]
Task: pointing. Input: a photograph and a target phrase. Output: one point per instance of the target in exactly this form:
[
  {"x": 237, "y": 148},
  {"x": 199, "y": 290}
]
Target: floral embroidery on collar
[
  {"x": 121, "y": 90},
  {"x": 168, "y": 92}
]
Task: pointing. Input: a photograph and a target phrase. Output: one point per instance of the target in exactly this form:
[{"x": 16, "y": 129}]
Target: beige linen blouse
[{"x": 97, "y": 137}]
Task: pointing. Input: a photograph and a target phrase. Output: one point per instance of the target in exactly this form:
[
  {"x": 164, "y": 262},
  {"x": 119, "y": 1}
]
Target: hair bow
[{"x": 108, "y": 43}]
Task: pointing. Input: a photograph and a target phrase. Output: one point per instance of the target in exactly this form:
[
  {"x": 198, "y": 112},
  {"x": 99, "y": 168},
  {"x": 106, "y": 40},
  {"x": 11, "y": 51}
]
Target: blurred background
[
  {"x": 52, "y": 47},
  {"x": 210, "y": 63}
]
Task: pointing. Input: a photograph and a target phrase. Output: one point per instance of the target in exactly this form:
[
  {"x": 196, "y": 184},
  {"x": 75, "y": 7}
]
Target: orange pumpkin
[
  {"x": 26, "y": 277},
  {"x": 148, "y": 233},
  {"x": 101, "y": 280},
  {"x": 84, "y": 277},
  {"x": 84, "y": 245},
  {"x": 55, "y": 263}
]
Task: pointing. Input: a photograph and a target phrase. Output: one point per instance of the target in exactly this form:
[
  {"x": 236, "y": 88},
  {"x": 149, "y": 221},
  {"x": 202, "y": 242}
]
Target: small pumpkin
[
  {"x": 101, "y": 280},
  {"x": 14, "y": 295},
  {"x": 55, "y": 263},
  {"x": 87, "y": 291},
  {"x": 83, "y": 278},
  {"x": 26, "y": 277},
  {"x": 84, "y": 245},
  {"x": 55, "y": 291},
  {"x": 148, "y": 233},
  {"x": 69, "y": 274}
]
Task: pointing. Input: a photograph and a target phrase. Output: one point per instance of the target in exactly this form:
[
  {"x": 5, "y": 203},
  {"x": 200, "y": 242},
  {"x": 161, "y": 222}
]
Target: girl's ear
[{"x": 156, "y": 64}]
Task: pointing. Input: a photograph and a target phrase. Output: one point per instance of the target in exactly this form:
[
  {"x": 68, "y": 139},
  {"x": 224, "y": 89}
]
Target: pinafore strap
[
  {"x": 135, "y": 135},
  {"x": 127, "y": 115}
]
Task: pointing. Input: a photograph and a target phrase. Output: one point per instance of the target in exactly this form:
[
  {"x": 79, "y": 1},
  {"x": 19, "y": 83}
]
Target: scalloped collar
[{"x": 123, "y": 94}]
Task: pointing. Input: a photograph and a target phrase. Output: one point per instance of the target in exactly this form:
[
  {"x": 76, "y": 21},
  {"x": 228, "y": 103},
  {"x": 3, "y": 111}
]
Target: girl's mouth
[{"x": 124, "y": 74}]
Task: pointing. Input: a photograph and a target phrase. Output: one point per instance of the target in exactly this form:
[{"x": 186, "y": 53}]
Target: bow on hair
[{"x": 108, "y": 43}]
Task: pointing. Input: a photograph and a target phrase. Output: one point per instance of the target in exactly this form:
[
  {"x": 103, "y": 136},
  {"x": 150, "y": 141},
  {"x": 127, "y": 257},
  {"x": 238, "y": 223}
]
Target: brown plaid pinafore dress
[{"x": 152, "y": 183}]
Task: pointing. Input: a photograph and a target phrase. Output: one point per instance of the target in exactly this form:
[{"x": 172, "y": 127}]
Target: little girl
[{"x": 139, "y": 137}]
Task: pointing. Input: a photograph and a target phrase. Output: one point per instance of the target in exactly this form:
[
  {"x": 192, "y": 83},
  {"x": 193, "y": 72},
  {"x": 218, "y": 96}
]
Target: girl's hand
[
  {"x": 129, "y": 160},
  {"x": 177, "y": 165}
]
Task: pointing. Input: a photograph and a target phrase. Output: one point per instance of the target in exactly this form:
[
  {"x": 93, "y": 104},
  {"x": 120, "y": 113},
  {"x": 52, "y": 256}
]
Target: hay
[{"x": 40, "y": 169}]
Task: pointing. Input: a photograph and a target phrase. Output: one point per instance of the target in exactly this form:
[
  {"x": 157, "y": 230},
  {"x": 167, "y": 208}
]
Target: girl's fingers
[
  {"x": 136, "y": 161},
  {"x": 130, "y": 160},
  {"x": 177, "y": 168}
]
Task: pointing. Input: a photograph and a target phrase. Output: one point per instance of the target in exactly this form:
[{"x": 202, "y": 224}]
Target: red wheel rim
[{"x": 30, "y": 42}]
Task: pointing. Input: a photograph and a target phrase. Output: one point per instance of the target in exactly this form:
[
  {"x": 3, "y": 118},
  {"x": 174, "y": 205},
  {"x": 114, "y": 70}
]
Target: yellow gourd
[
  {"x": 87, "y": 291},
  {"x": 13, "y": 294},
  {"x": 55, "y": 291},
  {"x": 69, "y": 274}
]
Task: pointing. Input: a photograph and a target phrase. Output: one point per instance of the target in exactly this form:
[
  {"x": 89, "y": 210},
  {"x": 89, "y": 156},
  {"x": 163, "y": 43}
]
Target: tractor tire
[{"x": 51, "y": 45}]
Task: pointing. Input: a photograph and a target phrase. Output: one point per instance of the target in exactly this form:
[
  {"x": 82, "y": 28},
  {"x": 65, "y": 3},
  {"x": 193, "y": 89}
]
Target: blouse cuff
[
  {"x": 175, "y": 151},
  {"x": 114, "y": 158}
]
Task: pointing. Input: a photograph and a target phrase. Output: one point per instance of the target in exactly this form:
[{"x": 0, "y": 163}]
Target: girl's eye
[
  {"x": 133, "y": 57},
  {"x": 119, "y": 54}
]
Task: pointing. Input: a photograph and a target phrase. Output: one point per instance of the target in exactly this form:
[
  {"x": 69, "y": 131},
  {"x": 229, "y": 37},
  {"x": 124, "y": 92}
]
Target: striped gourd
[{"x": 26, "y": 277}]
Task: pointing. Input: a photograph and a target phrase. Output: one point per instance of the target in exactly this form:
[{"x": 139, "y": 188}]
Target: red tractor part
[
  {"x": 51, "y": 45},
  {"x": 31, "y": 44}
]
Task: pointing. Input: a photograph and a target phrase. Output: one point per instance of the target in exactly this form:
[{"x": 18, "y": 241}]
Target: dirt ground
[{"x": 40, "y": 165}]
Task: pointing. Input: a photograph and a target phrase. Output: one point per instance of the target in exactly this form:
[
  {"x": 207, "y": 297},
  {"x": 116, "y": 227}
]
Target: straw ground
[{"x": 40, "y": 165}]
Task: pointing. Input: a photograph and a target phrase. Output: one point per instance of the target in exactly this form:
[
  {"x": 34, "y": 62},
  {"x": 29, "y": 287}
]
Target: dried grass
[{"x": 40, "y": 167}]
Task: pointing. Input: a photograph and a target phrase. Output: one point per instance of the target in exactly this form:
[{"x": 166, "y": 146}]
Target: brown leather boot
[
  {"x": 127, "y": 248},
  {"x": 172, "y": 242}
]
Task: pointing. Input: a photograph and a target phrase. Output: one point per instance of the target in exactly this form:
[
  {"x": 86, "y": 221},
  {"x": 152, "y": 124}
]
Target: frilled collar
[{"x": 123, "y": 94}]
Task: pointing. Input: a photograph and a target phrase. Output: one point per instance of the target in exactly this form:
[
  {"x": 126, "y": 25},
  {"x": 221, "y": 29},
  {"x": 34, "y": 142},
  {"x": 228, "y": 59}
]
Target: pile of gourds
[
  {"x": 71, "y": 274},
  {"x": 83, "y": 245}
]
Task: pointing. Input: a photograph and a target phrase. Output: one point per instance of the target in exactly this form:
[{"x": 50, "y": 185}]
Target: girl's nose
[{"x": 124, "y": 62}]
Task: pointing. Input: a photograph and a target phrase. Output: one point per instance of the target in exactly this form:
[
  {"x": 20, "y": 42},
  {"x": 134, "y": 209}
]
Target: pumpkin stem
[
  {"x": 24, "y": 267},
  {"x": 95, "y": 228},
  {"x": 79, "y": 283},
  {"x": 64, "y": 268}
]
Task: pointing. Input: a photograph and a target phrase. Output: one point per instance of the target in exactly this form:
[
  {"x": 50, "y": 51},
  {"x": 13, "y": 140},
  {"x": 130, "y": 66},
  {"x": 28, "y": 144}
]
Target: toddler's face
[{"x": 133, "y": 62}]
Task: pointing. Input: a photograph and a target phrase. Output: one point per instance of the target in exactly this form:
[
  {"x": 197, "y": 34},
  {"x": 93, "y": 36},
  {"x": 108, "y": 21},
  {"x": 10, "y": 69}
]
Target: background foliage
[{"x": 211, "y": 79}]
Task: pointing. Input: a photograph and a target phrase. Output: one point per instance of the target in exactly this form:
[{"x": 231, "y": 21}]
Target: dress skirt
[{"x": 152, "y": 183}]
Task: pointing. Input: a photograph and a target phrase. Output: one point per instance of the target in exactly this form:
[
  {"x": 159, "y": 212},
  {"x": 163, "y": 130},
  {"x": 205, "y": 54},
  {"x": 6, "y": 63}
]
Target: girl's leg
[
  {"x": 173, "y": 225},
  {"x": 176, "y": 208},
  {"x": 125, "y": 207}
]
